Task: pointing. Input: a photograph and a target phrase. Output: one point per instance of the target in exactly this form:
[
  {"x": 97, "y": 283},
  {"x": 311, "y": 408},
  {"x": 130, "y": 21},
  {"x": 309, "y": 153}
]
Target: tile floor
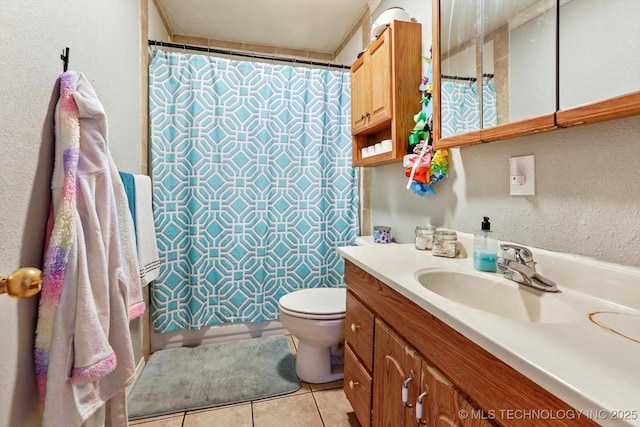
[{"x": 314, "y": 405}]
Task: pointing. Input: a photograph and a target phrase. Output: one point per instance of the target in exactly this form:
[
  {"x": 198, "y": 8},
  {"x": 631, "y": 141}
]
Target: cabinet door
[
  {"x": 359, "y": 94},
  {"x": 394, "y": 363},
  {"x": 380, "y": 88},
  {"x": 446, "y": 406}
]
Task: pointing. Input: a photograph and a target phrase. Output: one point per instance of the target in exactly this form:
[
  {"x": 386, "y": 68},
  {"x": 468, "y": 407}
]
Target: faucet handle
[{"x": 522, "y": 254}]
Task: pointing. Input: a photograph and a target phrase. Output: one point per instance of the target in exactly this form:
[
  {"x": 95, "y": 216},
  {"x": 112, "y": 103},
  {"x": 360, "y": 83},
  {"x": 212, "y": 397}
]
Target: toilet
[{"x": 315, "y": 316}]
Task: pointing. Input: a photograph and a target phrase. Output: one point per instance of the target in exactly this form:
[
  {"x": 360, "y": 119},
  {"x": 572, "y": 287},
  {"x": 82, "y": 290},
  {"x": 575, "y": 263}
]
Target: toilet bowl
[{"x": 316, "y": 318}]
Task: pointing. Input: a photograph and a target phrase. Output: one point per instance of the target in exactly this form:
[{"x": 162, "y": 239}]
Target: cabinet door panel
[
  {"x": 394, "y": 361},
  {"x": 379, "y": 60},
  {"x": 359, "y": 94},
  {"x": 447, "y": 406}
]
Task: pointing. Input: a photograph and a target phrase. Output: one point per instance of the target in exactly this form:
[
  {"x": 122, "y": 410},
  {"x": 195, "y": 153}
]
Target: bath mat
[{"x": 182, "y": 379}]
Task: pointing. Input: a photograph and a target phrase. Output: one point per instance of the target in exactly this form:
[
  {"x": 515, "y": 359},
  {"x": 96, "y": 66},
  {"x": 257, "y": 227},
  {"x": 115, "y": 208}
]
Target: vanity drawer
[
  {"x": 357, "y": 387},
  {"x": 358, "y": 332}
]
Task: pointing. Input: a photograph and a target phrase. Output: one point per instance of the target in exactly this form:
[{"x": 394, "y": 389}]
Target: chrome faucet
[{"x": 523, "y": 269}]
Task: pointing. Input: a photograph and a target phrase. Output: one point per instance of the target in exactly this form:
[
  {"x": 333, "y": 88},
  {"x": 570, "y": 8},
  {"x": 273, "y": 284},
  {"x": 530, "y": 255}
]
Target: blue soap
[{"x": 484, "y": 260}]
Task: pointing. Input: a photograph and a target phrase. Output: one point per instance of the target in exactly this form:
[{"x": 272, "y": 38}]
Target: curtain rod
[
  {"x": 468, "y": 79},
  {"x": 246, "y": 55}
]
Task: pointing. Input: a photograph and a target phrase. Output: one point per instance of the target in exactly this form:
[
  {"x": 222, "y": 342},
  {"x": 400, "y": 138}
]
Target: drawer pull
[
  {"x": 354, "y": 327},
  {"x": 405, "y": 389},
  {"x": 353, "y": 384},
  {"x": 419, "y": 405}
]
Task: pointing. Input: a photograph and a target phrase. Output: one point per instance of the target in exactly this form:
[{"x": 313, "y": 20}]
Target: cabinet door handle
[
  {"x": 354, "y": 327},
  {"x": 367, "y": 114},
  {"x": 353, "y": 384},
  {"x": 362, "y": 117},
  {"x": 405, "y": 389},
  {"x": 419, "y": 405}
]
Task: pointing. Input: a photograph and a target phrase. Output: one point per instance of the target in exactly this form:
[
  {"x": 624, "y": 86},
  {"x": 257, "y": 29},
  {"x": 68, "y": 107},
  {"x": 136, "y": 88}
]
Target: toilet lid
[{"x": 316, "y": 301}]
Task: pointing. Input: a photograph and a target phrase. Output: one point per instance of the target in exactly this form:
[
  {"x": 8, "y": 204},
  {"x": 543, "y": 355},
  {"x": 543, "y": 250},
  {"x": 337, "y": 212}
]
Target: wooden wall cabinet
[
  {"x": 464, "y": 383},
  {"x": 372, "y": 109},
  {"x": 385, "y": 94}
]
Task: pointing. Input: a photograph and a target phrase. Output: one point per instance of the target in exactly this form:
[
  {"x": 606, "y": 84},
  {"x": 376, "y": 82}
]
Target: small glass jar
[
  {"x": 445, "y": 243},
  {"x": 424, "y": 237}
]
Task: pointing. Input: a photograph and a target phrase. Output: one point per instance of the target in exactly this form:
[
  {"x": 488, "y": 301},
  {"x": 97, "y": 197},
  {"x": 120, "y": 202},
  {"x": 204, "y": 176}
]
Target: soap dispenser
[{"x": 485, "y": 247}]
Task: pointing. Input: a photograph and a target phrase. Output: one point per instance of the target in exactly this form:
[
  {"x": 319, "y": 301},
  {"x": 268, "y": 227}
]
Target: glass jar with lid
[
  {"x": 424, "y": 237},
  {"x": 445, "y": 243}
]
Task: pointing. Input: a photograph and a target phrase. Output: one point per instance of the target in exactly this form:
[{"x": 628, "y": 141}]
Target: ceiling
[{"x": 313, "y": 25}]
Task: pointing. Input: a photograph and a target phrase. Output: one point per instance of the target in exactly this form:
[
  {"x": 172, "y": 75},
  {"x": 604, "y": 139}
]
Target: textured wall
[
  {"x": 104, "y": 38},
  {"x": 587, "y": 198}
]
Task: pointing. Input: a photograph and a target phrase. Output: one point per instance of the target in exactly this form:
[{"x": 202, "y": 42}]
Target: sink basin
[{"x": 497, "y": 296}]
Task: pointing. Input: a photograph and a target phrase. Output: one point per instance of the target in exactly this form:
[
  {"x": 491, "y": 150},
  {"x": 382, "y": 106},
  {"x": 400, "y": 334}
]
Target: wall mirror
[
  {"x": 599, "y": 69},
  {"x": 511, "y": 68},
  {"x": 497, "y": 69}
]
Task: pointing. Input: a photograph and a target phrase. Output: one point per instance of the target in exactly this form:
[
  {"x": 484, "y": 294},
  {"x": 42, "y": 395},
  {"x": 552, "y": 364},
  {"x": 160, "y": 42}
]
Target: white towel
[{"x": 148, "y": 257}]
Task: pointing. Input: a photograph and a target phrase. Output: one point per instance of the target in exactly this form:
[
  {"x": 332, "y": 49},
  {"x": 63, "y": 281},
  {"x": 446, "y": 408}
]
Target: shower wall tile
[
  {"x": 197, "y": 41},
  {"x": 246, "y": 47},
  {"x": 365, "y": 202}
]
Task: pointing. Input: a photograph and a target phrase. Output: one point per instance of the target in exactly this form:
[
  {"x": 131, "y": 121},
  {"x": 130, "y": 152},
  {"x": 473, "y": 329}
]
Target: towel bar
[{"x": 22, "y": 283}]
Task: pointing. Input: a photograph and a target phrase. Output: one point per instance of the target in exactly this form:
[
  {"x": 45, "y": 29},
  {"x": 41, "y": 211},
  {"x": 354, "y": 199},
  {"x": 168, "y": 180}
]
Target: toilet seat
[{"x": 315, "y": 303}]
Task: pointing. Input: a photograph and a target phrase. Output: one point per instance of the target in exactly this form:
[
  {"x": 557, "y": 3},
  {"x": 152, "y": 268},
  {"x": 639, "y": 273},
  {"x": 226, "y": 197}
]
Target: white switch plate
[{"x": 522, "y": 175}]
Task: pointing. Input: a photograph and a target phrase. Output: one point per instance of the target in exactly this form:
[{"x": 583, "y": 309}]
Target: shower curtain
[
  {"x": 253, "y": 187},
  {"x": 461, "y": 104}
]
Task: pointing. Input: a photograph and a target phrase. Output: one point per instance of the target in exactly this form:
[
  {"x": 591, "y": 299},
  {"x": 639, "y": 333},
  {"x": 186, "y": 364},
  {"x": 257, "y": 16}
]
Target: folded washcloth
[{"x": 148, "y": 257}]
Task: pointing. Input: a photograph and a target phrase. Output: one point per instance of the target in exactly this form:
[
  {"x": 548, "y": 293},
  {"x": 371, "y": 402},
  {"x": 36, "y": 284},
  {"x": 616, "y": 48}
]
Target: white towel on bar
[{"x": 148, "y": 257}]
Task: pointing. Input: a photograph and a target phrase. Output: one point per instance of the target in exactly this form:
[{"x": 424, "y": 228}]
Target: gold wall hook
[{"x": 22, "y": 283}]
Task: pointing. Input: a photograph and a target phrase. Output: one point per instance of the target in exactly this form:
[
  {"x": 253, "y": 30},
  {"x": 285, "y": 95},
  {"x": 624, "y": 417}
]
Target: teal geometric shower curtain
[
  {"x": 253, "y": 188},
  {"x": 460, "y": 107}
]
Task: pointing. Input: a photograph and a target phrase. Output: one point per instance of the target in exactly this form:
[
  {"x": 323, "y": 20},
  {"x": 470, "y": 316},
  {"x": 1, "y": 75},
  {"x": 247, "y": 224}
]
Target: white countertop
[{"x": 592, "y": 369}]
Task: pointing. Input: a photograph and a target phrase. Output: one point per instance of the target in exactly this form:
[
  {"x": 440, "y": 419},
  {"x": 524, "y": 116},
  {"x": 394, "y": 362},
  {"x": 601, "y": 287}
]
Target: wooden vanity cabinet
[
  {"x": 384, "y": 92},
  {"x": 396, "y": 364},
  {"x": 460, "y": 376}
]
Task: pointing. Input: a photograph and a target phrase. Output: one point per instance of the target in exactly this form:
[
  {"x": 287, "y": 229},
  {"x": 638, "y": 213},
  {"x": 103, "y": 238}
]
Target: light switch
[{"x": 522, "y": 175}]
